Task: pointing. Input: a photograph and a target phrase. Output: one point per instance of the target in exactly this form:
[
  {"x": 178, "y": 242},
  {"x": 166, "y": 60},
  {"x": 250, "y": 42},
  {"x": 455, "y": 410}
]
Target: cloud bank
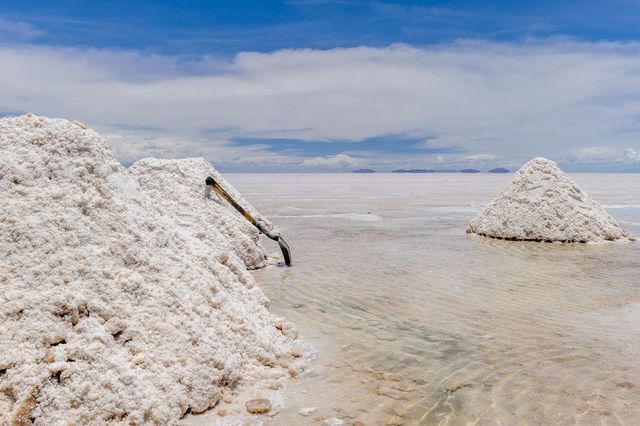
[{"x": 487, "y": 103}]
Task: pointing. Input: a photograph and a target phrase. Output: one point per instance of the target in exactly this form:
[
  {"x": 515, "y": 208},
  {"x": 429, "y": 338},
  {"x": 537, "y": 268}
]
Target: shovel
[{"x": 286, "y": 252}]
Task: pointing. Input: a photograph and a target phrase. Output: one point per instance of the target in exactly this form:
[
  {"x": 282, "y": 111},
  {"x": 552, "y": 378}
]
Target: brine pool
[{"x": 416, "y": 322}]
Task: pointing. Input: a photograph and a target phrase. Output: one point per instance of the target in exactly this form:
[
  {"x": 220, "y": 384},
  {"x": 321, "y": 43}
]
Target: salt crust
[
  {"x": 124, "y": 295},
  {"x": 542, "y": 203}
]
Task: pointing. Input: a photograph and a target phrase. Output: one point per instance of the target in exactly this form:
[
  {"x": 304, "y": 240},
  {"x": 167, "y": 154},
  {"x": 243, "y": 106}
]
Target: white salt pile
[
  {"x": 176, "y": 188},
  {"x": 124, "y": 295},
  {"x": 542, "y": 203}
]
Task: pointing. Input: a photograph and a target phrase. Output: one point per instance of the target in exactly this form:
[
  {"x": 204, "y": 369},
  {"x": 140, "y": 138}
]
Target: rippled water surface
[{"x": 418, "y": 323}]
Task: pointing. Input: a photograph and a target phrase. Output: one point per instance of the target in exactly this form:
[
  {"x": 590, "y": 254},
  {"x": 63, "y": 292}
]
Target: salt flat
[{"x": 418, "y": 323}]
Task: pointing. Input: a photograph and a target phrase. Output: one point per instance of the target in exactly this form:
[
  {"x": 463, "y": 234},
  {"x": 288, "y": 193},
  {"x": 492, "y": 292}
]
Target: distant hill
[
  {"x": 413, "y": 171},
  {"x": 363, "y": 171},
  {"x": 434, "y": 171},
  {"x": 499, "y": 170}
]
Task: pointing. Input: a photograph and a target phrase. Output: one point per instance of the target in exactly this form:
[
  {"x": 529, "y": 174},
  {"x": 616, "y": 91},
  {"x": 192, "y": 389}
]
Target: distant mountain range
[
  {"x": 496, "y": 170},
  {"x": 412, "y": 171},
  {"x": 434, "y": 171}
]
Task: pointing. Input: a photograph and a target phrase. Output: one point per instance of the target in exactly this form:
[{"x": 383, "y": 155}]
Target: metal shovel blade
[{"x": 286, "y": 252}]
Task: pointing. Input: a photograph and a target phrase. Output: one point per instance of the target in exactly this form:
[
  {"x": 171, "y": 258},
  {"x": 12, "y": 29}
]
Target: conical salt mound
[{"x": 543, "y": 203}]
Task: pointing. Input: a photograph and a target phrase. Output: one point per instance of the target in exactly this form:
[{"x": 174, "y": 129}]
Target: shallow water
[{"x": 418, "y": 323}]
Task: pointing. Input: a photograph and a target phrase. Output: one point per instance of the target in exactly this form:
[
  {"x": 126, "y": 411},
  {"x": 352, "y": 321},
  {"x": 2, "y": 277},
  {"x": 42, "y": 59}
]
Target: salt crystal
[
  {"x": 259, "y": 406},
  {"x": 306, "y": 411}
]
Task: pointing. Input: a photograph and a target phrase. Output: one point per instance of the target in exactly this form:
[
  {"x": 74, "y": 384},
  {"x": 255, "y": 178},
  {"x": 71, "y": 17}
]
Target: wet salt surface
[{"x": 418, "y": 323}]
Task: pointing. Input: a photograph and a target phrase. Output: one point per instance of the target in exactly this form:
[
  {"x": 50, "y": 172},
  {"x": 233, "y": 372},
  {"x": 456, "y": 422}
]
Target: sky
[{"x": 335, "y": 85}]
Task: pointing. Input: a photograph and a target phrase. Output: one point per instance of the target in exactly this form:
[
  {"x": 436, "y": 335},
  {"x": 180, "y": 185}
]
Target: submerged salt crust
[
  {"x": 124, "y": 295},
  {"x": 542, "y": 203}
]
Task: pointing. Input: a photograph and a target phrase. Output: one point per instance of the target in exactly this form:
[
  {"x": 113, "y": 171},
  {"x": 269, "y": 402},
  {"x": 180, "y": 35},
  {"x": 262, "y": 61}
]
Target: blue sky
[
  {"x": 227, "y": 27},
  {"x": 314, "y": 85}
]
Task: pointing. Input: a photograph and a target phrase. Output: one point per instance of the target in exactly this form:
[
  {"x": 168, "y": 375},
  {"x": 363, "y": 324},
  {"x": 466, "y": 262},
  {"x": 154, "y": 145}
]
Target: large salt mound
[
  {"x": 124, "y": 296},
  {"x": 542, "y": 203}
]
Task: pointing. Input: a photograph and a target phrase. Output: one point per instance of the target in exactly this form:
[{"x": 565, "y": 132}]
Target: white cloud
[
  {"x": 453, "y": 161},
  {"x": 632, "y": 154},
  {"x": 477, "y": 158},
  {"x": 16, "y": 30},
  {"x": 603, "y": 155},
  {"x": 595, "y": 154},
  {"x": 333, "y": 162},
  {"x": 506, "y": 102}
]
